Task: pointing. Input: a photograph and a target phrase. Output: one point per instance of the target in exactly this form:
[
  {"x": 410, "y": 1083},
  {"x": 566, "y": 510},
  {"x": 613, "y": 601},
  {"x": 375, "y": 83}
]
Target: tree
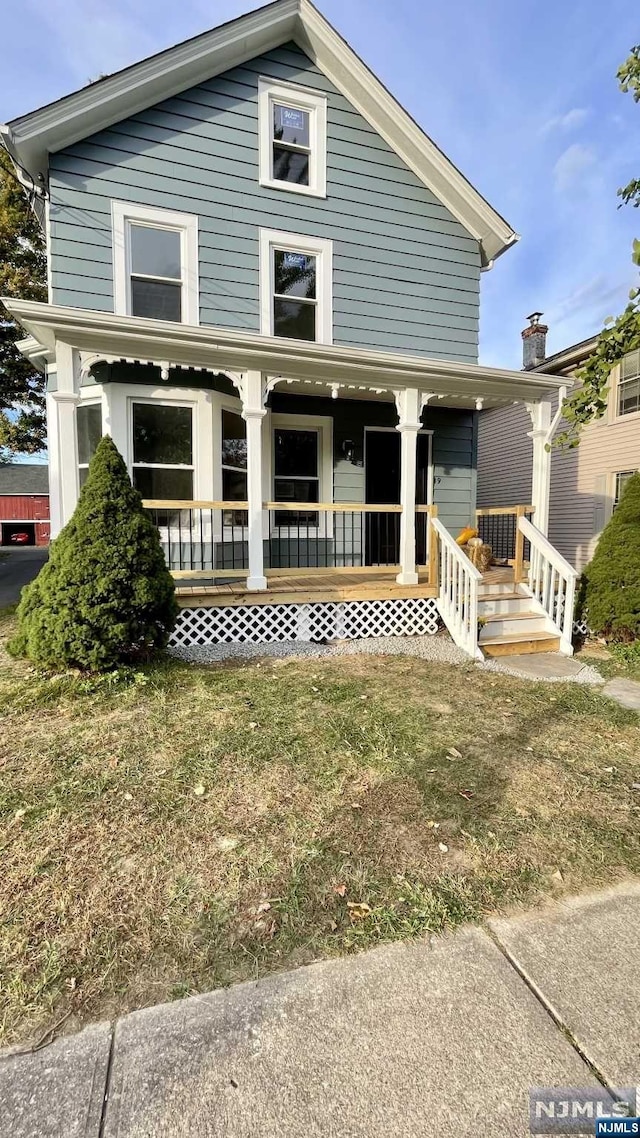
[
  {"x": 621, "y": 335},
  {"x": 23, "y": 273},
  {"x": 105, "y": 596},
  {"x": 611, "y": 587}
]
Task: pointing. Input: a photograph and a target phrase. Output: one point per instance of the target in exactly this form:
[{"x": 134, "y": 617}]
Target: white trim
[
  {"x": 123, "y": 94},
  {"x": 209, "y": 347},
  {"x": 317, "y": 247},
  {"x": 323, "y": 424},
  {"x": 186, "y": 224},
  {"x": 272, "y": 91}
]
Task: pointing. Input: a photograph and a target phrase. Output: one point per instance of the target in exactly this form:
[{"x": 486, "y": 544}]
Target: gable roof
[
  {"x": 32, "y": 137},
  {"x": 24, "y": 478}
]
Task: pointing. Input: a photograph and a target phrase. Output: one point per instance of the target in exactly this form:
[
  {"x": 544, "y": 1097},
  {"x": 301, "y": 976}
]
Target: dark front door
[{"x": 382, "y": 487}]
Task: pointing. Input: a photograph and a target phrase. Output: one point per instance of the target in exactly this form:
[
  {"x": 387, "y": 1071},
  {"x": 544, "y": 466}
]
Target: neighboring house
[
  {"x": 265, "y": 284},
  {"x": 585, "y": 482},
  {"x": 24, "y": 504}
]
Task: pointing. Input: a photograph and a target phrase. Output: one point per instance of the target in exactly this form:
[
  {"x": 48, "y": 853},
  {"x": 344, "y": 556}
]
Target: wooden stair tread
[
  {"x": 529, "y": 615},
  {"x": 516, "y": 637}
]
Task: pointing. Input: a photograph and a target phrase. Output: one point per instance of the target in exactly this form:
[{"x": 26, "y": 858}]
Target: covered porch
[{"x": 286, "y": 473}]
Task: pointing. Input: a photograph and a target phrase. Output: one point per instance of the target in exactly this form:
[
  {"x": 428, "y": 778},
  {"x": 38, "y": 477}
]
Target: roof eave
[
  {"x": 228, "y": 349},
  {"x": 116, "y": 97}
]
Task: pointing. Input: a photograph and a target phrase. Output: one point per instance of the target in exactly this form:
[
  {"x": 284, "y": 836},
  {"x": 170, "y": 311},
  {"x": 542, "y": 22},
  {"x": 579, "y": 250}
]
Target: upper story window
[
  {"x": 295, "y": 287},
  {"x": 293, "y": 138},
  {"x": 628, "y": 392},
  {"x": 155, "y": 263}
]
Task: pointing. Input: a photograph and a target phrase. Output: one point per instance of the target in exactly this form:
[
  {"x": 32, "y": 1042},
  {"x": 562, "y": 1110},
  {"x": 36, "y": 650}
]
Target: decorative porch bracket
[{"x": 409, "y": 404}]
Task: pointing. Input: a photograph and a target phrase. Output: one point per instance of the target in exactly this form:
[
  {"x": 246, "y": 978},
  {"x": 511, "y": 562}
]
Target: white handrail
[
  {"x": 458, "y": 592},
  {"x": 552, "y": 582}
]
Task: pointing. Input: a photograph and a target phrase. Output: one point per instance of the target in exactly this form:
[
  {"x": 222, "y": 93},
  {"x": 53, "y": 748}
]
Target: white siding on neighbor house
[{"x": 582, "y": 479}]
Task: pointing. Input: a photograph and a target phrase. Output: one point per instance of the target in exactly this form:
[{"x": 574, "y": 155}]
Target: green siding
[{"x": 406, "y": 273}]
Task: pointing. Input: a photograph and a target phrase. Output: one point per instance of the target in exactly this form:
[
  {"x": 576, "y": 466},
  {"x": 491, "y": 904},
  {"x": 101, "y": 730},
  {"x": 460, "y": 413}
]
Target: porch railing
[
  {"x": 332, "y": 535},
  {"x": 457, "y": 590},
  {"x": 498, "y": 527},
  {"x": 202, "y": 539},
  {"x": 210, "y": 539},
  {"x": 552, "y": 582}
]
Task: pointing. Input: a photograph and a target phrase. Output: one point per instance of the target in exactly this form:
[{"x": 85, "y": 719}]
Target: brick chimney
[{"x": 534, "y": 342}]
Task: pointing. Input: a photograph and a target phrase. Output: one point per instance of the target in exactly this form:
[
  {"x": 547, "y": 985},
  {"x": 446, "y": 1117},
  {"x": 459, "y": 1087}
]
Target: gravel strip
[{"x": 439, "y": 649}]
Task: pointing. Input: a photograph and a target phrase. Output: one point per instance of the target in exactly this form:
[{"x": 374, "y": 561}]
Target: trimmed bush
[
  {"x": 612, "y": 579},
  {"x": 105, "y": 596}
]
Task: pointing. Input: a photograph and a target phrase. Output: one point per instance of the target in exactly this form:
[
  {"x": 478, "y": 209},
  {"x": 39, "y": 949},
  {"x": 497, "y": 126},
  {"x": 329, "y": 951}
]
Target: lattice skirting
[{"x": 344, "y": 620}]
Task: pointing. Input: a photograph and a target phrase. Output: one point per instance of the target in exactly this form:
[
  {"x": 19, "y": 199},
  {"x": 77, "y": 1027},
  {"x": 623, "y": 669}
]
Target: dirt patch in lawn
[{"x": 180, "y": 828}]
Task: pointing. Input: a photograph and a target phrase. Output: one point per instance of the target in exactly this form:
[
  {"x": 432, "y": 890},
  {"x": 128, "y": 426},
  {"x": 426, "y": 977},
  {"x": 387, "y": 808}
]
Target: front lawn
[{"x": 196, "y": 825}]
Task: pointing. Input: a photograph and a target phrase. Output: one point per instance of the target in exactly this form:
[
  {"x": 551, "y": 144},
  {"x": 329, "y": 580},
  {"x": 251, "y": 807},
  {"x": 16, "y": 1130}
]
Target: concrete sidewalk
[{"x": 427, "y": 1038}]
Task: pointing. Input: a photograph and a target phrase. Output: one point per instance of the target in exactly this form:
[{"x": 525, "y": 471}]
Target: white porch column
[
  {"x": 540, "y": 413},
  {"x": 62, "y": 437},
  {"x": 408, "y": 404},
  {"x": 253, "y": 412}
]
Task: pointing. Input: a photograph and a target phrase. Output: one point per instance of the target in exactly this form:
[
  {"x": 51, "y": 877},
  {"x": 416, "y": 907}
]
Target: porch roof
[{"x": 356, "y": 372}]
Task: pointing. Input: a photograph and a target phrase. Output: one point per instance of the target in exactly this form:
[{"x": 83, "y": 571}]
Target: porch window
[
  {"x": 295, "y": 287},
  {"x": 629, "y": 384},
  {"x": 155, "y": 258},
  {"x": 234, "y": 465},
  {"x": 163, "y": 451},
  {"x": 89, "y": 428},
  {"x": 296, "y": 474},
  {"x": 293, "y": 130}
]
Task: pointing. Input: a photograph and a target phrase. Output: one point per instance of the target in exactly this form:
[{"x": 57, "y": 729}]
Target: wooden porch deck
[{"x": 307, "y": 587}]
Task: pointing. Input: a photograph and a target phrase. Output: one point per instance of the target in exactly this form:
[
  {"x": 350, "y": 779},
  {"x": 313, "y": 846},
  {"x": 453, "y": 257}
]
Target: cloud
[
  {"x": 568, "y": 121},
  {"x": 572, "y": 164}
]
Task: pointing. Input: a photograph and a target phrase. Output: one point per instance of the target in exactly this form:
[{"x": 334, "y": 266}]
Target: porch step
[
  {"x": 520, "y": 624},
  {"x": 495, "y": 589},
  {"x": 490, "y": 604},
  {"x": 517, "y": 644}
]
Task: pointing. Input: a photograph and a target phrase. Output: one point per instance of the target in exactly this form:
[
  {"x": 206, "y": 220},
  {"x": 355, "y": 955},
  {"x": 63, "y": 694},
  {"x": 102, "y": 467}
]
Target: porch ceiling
[{"x": 359, "y": 373}]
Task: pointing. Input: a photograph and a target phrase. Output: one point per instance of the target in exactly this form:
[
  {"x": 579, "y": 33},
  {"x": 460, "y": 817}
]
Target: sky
[{"x": 521, "y": 97}]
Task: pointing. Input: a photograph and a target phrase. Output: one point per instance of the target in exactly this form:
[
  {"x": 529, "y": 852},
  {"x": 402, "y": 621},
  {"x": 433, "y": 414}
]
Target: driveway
[{"x": 17, "y": 568}]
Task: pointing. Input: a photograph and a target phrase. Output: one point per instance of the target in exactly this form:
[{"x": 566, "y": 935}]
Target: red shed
[{"x": 24, "y": 504}]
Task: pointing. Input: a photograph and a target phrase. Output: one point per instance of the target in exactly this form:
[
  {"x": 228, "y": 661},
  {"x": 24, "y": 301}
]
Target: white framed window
[
  {"x": 621, "y": 478},
  {"x": 296, "y": 286},
  {"x": 89, "y": 432},
  {"x": 628, "y": 387},
  {"x": 302, "y": 471},
  {"x": 155, "y": 263},
  {"x": 234, "y": 464},
  {"x": 293, "y": 137},
  {"x": 162, "y": 449}
]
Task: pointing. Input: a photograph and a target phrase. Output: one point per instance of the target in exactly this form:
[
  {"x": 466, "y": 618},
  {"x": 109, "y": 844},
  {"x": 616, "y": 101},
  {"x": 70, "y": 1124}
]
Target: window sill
[{"x": 292, "y": 188}]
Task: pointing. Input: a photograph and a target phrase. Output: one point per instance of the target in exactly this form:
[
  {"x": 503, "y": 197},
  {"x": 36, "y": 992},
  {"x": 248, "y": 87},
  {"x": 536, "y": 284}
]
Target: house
[
  {"x": 24, "y": 504},
  {"x": 585, "y": 482},
  {"x": 264, "y": 284}
]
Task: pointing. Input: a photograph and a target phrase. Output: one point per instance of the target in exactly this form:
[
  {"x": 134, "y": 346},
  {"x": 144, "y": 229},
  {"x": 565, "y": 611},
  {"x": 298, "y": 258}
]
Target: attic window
[{"x": 293, "y": 143}]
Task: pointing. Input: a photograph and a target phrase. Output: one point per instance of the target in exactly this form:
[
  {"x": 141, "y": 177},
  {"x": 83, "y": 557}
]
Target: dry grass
[{"x": 122, "y": 884}]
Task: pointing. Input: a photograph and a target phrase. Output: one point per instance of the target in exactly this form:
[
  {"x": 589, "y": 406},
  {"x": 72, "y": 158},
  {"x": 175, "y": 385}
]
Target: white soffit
[{"x": 31, "y": 137}]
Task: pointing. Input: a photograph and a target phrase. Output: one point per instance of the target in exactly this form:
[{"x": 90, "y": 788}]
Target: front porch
[{"x": 325, "y": 479}]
